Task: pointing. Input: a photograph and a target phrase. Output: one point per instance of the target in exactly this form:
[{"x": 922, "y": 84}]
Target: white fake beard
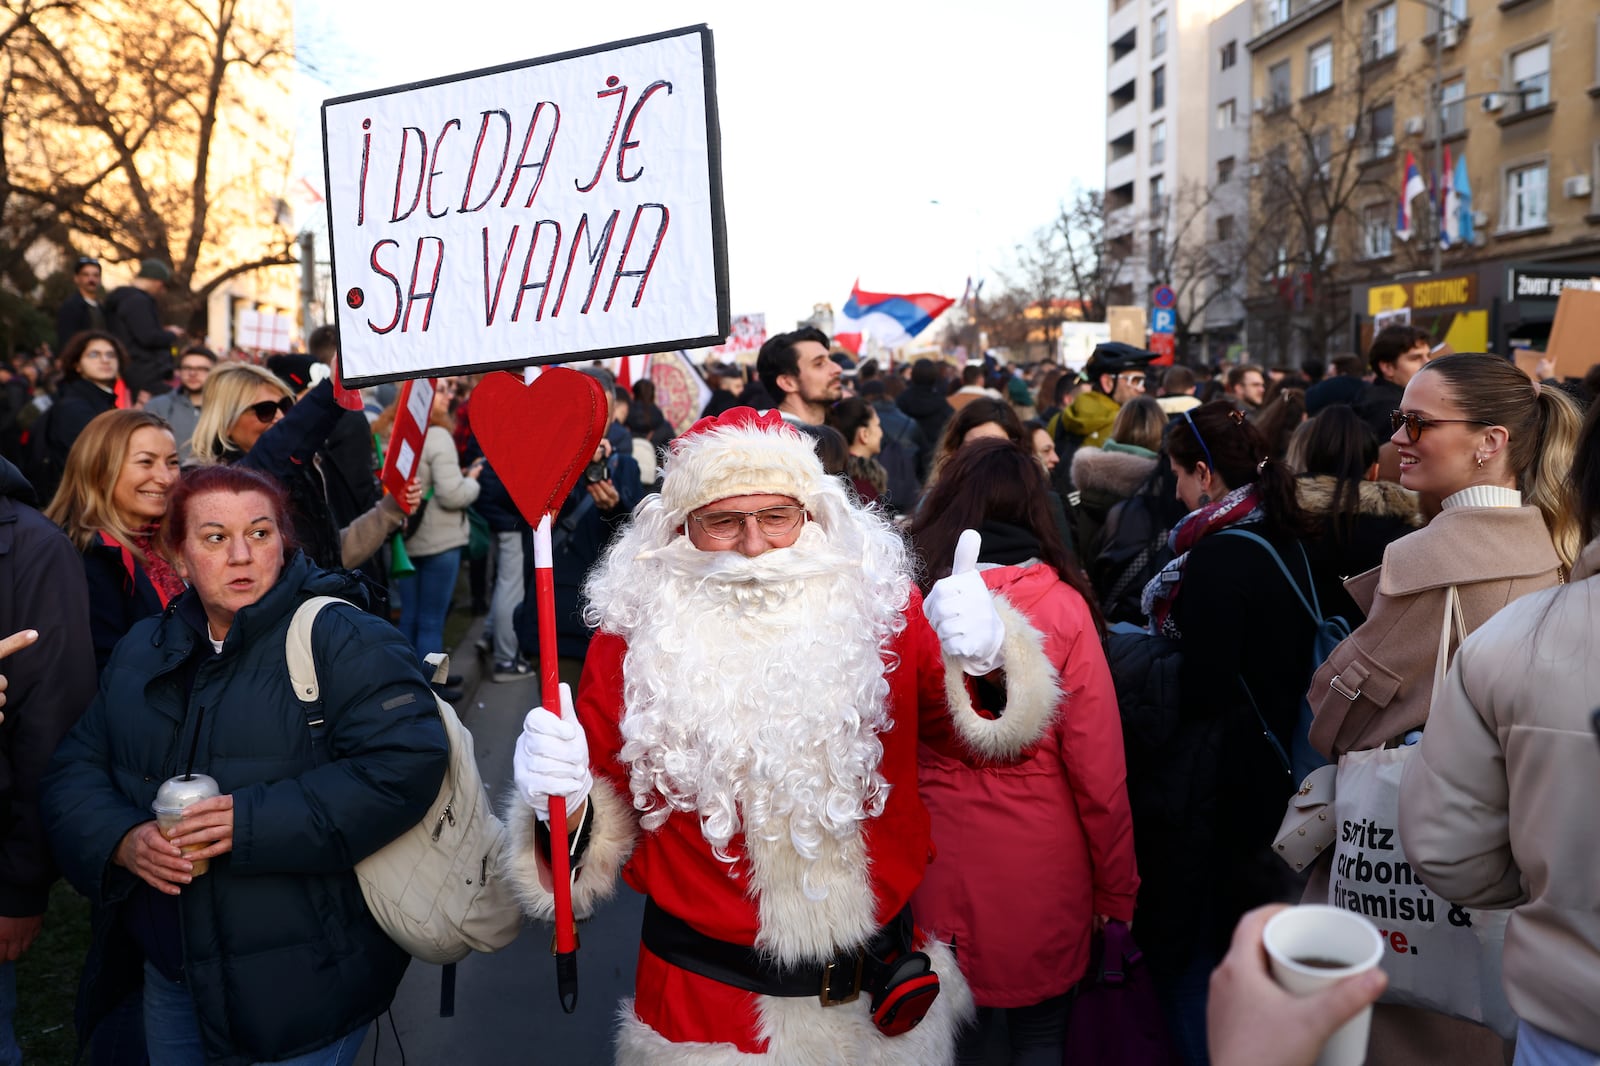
[{"x": 754, "y": 693}]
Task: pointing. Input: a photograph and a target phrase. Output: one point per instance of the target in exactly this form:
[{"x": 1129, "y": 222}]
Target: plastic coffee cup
[
  {"x": 1313, "y": 946},
  {"x": 173, "y": 798}
]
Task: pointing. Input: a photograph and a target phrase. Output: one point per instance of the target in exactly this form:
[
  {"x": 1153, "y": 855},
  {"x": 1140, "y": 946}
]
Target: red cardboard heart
[{"x": 539, "y": 437}]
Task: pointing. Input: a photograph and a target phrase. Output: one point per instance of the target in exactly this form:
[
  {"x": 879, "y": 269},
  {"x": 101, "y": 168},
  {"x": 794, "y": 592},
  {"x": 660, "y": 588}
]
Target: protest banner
[
  {"x": 405, "y": 439},
  {"x": 554, "y": 210}
]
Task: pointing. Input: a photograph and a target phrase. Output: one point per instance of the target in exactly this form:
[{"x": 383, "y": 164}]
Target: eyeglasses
[
  {"x": 1415, "y": 423},
  {"x": 1210, "y": 462},
  {"x": 772, "y": 521},
  {"x": 99, "y": 353},
  {"x": 1132, "y": 379},
  {"x": 264, "y": 411}
]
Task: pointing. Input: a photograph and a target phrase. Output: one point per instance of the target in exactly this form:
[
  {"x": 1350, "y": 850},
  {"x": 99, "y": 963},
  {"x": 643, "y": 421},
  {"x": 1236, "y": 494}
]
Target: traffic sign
[
  {"x": 1164, "y": 296},
  {"x": 1163, "y": 320}
]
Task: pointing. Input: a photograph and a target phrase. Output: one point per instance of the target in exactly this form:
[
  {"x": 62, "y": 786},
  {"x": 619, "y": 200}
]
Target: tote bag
[{"x": 1438, "y": 956}]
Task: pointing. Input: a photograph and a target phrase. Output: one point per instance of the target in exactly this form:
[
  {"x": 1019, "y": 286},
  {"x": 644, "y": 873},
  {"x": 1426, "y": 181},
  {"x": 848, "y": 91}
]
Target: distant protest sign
[{"x": 561, "y": 209}]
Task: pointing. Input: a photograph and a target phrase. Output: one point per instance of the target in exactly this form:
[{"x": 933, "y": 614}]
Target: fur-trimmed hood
[
  {"x": 1377, "y": 499},
  {"x": 1118, "y": 473}
]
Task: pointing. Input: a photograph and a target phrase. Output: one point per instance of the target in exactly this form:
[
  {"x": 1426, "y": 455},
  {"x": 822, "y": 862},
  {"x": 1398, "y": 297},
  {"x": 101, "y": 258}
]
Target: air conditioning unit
[
  {"x": 1414, "y": 125},
  {"x": 1450, "y": 36},
  {"x": 1493, "y": 102},
  {"x": 1575, "y": 188}
]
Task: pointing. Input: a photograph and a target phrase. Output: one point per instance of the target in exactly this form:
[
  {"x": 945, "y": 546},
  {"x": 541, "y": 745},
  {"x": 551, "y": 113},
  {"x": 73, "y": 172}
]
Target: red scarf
[{"x": 166, "y": 581}]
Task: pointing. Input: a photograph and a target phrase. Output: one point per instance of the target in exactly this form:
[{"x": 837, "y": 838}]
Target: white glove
[
  {"x": 552, "y": 759},
  {"x": 962, "y": 612}
]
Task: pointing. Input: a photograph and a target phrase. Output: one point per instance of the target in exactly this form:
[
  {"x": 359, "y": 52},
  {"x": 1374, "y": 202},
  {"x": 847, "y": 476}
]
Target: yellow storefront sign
[
  {"x": 1423, "y": 295},
  {"x": 1381, "y": 298}
]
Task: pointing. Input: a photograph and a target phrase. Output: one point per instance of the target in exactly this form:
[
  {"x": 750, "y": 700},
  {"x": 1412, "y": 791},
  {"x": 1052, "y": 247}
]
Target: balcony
[
  {"x": 1124, "y": 73},
  {"x": 1273, "y": 19},
  {"x": 1122, "y": 171},
  {"x": 1121, "y": 123},
  {"x": 1123, "y": 20}
]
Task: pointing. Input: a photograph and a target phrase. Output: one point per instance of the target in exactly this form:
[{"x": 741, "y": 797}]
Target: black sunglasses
[
  {"x": 1415, "y": 423},
  {"x": 263, "y": 410}
]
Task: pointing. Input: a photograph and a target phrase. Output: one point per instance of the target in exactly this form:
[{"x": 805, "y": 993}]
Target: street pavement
[{"x": 506, "y": 1005}]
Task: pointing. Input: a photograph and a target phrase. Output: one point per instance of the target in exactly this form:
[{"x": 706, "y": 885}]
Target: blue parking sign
[{"x": 1163, "y": 320}]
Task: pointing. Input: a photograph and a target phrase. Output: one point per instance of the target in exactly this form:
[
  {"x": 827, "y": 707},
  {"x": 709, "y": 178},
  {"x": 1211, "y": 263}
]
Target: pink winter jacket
[{"x": 1026, "y": 854}]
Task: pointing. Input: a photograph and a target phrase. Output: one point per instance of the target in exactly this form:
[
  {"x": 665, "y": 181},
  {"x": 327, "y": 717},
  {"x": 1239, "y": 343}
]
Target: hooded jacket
[
  {"x": 1105, "y": 476},
  {"x": 278, "y": 947},
  {"x": 1385, "y": 512},
  {"x": 47, "y": 684}
]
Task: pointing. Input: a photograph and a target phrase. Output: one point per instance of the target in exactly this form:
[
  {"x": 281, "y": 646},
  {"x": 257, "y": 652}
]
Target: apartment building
[
  {"x": 1227, "y": 165},
  {"x": 1495, "y": 103},
  {"x": 1167, "y": 75}
]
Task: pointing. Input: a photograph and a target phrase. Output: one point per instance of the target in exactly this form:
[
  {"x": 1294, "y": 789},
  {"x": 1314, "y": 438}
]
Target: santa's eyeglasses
[{"x": 772, "y": 521}]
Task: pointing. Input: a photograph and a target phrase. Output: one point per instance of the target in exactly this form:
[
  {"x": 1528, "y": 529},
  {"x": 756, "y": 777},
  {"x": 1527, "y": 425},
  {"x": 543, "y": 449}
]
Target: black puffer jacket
[{"x": 279, "y": 949}]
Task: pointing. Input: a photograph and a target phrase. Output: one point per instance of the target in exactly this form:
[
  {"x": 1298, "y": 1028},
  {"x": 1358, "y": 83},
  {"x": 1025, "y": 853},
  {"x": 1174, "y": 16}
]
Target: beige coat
[
  {"x": 1376, "y": 685},
  {"x": 444, "y": 523},
  {"x": 1498, "y": 807}
]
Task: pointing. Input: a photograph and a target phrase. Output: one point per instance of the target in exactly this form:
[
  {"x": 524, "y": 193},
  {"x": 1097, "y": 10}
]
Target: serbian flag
[
  {"x": 892, "y": 320},
  {"x": 1414, "y": 187}
]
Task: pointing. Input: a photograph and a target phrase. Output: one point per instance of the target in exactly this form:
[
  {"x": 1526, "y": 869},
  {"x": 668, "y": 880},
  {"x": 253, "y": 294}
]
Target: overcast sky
[{"x": 908, "y": 145}]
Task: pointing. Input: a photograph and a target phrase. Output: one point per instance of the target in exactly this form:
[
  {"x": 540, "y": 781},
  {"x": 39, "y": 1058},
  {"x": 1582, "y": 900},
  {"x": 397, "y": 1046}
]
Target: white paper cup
[{"x": 1313, "y": 946}]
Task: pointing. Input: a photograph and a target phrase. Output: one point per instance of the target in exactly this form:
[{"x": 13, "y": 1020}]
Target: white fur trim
[
  {"x": 612, "y": 835},
  {"x": 802, "y": 1032},
  {"x": 796, "y": 927},
  {"x": 739, "y": 461},
  {"x": 1033, "y": 689}
]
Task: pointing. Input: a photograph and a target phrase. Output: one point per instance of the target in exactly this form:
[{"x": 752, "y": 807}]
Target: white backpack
[{"x": 436, "y": 889}]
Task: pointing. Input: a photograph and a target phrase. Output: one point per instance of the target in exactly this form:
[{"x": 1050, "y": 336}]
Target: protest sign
[
  {"x": 405, "y": 439},
  {"x": 548, "y": 211},
  {"x": 1572, "y": 334}
]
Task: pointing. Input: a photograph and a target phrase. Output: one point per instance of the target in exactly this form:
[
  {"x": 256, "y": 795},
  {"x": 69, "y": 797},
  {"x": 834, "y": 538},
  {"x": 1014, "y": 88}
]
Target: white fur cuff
[
  {"x": 1033, "y": 689},
  {"x": 611, "y": 838}
]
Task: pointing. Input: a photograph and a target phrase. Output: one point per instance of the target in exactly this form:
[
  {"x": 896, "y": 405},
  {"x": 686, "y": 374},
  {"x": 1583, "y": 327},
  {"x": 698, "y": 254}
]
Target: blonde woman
[
  {"x": 111, "y": 503},
  {"x": 249, "y": 416}
]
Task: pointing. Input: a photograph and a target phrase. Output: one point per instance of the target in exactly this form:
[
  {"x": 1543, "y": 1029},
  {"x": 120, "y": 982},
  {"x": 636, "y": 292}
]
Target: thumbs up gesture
[{"x": 962, "y": 613}]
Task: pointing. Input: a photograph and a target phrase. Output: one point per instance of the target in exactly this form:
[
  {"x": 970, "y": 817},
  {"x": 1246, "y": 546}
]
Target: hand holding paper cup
[{"x": 1314, "y": 946}]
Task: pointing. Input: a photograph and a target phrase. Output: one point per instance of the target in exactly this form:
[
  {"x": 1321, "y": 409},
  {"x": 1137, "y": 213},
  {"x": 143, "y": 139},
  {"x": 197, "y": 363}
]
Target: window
[
  {"x": 1227, "y": 114},
  {"x": 1229, "y": 54},
  {"x": 1225, "y": 170},
  {"x": 1158, "y": 88},
  {"x": 1322, "y": 244},
  {"x": 1530, "y": 76},
  {"x": 1452, "y": 107},
  {"x": 1158, "y": 194},
  {"x": 1456, "y": 10},
  {"x": 1527, "y": 191},
  {"x": 1377, "y": 231},
  {"x": 1158, "y": 34},
  {"x": 1380, "y": 132},
  {"x": 1225, "y": 228},
  {"x": 1278, "y": 85},
  {"x": 1380, "y": 32},
  {"x": 1158, "y": 143},
  {"x": 1277, "y": 12},
  {"x": 1321, "y": 152},
  {"x": 1319, "y": 68}
]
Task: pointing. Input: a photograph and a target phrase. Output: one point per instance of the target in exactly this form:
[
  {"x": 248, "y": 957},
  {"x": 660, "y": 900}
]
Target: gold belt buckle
[{"x": 827, "y": 981}]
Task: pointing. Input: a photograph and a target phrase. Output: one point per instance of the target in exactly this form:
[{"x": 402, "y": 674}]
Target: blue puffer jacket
[{"x": 279, "y": 950}]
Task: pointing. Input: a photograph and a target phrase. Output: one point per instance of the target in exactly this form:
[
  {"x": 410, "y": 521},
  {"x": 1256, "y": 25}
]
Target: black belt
[{"x": 837, "y": 980}]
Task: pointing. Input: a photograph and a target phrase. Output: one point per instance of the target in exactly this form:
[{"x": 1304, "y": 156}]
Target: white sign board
[{"x": 556, "y": 210}]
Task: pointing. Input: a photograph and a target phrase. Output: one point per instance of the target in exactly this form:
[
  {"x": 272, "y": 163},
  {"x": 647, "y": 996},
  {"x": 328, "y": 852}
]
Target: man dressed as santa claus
[{"x": 744, "y": 753}]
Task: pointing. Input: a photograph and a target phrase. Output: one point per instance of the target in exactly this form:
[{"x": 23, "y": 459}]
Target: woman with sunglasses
[
  {"x": 1037, "y": 854},
  {"x": 249, "y": 416},
  {"x": 1475, "y": 432},
  {"x": 1210, "y": 801},
  {"x": 1497, "y": 806}
]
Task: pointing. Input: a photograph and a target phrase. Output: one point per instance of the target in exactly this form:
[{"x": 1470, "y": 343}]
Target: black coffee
[{"x": 1316, "y": 962}]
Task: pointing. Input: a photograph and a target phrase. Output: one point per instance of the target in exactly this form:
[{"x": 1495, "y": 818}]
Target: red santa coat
[
  {"x": 677, "y": 1016},
  {"x": 1029, "y": 852}
]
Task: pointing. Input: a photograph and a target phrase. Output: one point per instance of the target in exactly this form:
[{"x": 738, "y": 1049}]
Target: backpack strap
[
  {"x": 302, "y": 664},
  {"x": 1313, "y": 606}
]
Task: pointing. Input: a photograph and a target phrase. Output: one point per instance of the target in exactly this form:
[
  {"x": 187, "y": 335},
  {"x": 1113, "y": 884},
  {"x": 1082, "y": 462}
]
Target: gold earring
[{"x": 1480, "y": 460}]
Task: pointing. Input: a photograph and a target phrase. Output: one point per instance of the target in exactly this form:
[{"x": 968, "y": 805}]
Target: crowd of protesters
[{"x": 1145, "y": 522}]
